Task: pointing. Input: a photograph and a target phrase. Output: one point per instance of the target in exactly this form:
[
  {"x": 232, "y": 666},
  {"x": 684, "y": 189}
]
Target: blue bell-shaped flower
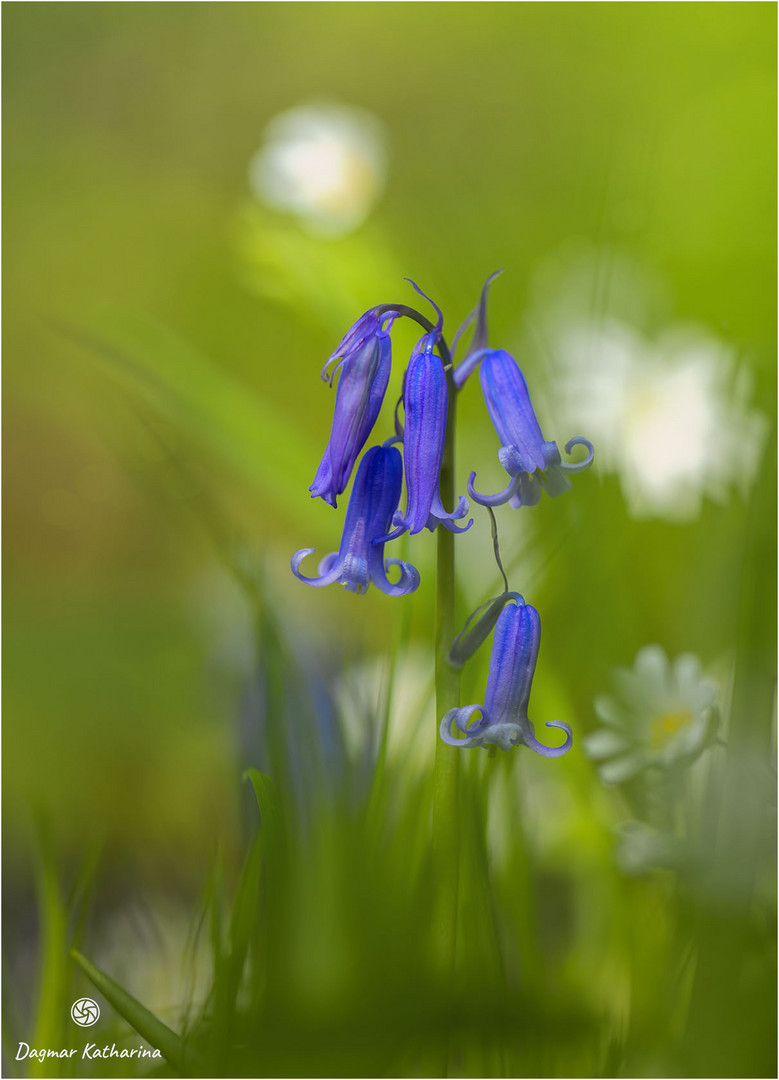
[
  {"x": 360, "y": 558},
  {"x": 533, "y": 463},
  {"x": 504, "y": 721},
  {"x": 365, "y": 358},
  {"x": 425, "y": 409}
]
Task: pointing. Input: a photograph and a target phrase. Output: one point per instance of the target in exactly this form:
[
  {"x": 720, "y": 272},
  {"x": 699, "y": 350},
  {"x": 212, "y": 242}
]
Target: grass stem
[{"x": 446, "y": 826}]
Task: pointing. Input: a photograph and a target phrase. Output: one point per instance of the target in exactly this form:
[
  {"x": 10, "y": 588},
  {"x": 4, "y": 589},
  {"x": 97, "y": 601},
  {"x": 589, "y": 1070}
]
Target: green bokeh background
[{"x": 163, "y": 338}]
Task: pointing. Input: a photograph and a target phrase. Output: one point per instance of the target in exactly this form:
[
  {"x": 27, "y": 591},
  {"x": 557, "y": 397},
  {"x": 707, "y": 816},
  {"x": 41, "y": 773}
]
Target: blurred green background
[{"x": 164, "y": 332}]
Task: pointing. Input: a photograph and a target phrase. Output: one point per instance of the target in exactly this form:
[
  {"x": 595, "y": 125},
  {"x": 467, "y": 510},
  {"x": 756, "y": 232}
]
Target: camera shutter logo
[{"x": 85, "y": 1012}]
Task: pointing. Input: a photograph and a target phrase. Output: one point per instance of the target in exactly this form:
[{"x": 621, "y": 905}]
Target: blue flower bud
[
  {"x": 425, "y": 408},
  {"x": 504, "y": 721},
  {"x": 478, "y": 626},
  {"x": 365, "y": 357},
  {"x": 360, "y": 558}
]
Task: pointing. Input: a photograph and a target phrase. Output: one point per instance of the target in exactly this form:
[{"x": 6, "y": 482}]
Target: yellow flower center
[{"x": 663, "y": 728}]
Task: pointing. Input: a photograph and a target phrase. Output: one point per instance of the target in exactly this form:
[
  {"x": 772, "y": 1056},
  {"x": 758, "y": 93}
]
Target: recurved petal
[
  {"x": 408, "y": 582},
  {"x": 438, "y": 516},
  {"x": 578, "y": 466},
  {"x": 328, "y": 562},
  {"x": 529, "y": 739},
  {"x": 324, "y": 579},
  {"x": 499, "y": 498},
  {"x": 460, "y": 718},
  {"x": 447, "y": 523}
]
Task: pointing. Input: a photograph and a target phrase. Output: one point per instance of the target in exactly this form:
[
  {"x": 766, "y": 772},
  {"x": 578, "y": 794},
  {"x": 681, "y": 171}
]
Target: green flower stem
[
  {"x": 446, "y": 829},
  {"x": 446, "y": 826}
]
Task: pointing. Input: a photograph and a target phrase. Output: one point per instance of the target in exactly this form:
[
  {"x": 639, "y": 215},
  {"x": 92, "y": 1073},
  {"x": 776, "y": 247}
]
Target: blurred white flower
[
  {"x": 157, "y": 958},
  {"x": 671, "y": 417},
  {"x": 661, "y": 713},
  {"x": 325, "y": 163}
]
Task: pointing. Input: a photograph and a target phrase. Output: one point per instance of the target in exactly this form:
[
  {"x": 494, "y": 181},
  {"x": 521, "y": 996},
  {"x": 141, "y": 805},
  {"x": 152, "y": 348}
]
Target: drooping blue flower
[
  {"x": 360, "y": 558},
  {"x": 533, "y": 463},
  {"x": 364, "y": 360},
  {"x": 425, "y": 409},
  {"x": 504, "y": 721}
]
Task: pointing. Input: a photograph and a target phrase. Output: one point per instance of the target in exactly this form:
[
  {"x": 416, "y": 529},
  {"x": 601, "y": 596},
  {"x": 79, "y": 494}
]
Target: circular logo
[{"x": 85, "y": 1012}]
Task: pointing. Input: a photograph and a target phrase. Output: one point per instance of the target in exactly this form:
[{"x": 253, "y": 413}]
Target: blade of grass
[
  {"x": 267, "y": 801},
  {"x": 229, "y": 973},
  {"x": 53, "y": 975},
  {"x": 231, "y": 421},
  {"x": 157, "y": 1034}
]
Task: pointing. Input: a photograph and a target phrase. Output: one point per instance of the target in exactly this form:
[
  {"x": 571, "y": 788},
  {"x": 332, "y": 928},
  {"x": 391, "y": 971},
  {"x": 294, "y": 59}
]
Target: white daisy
[
  {"x": 661, "y": 713},
  {"x": 324, "y": 163},
  {"x": 670, "y": 416}
]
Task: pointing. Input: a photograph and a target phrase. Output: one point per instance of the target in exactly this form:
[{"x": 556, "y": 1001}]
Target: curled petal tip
[
  {"x": 298, "y": 558},
  {"x": 460, "y": 718},
  {"x": 408, "y": 582},
  {"x": 461, "y": 509},
  {"x": 326, "y": 578},
  {"x": 549, "y": 751},
  {"x": 439, "y": 516},
  {"x": 578, "y": 466},
  {"x": 499, "y": 498},
  {"x": 451, "y": 527}
]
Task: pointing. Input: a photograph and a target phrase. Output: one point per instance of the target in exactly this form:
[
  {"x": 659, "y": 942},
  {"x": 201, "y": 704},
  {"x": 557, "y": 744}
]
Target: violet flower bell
[
  {"x": 425, "y": 409},
  {"x": 360, "y": 558},
  {"x": 534, "y": 464},
  {"x": 364, "y": 360},
  {"x": 504, "y": 721}
]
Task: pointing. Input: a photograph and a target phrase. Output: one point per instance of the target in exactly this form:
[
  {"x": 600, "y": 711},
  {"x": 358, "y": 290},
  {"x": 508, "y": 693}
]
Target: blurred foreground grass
[{"x": 316, "y": 960}]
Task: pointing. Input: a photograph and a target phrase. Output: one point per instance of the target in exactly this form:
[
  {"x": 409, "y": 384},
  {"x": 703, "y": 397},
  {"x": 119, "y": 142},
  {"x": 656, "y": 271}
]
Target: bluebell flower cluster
[
  {"x": 363, "y": 361},
  {"x": 534, "y": 465}
]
